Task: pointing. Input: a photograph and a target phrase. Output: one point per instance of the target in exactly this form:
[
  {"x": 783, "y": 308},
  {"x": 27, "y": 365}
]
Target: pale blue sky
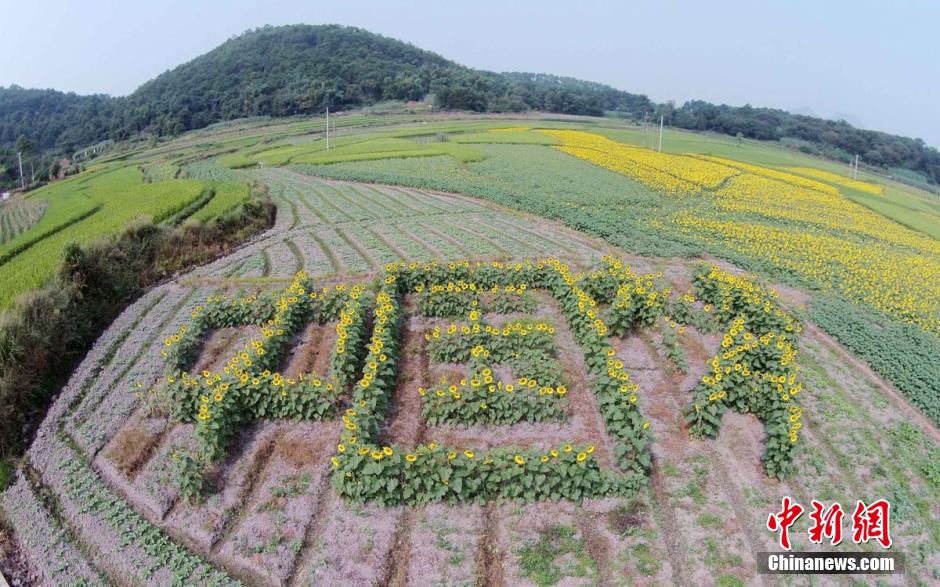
[{"x": 875, "y": 63}]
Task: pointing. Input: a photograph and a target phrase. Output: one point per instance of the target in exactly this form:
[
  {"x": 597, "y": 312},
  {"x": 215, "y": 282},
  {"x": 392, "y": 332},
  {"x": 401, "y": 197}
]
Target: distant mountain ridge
[
  {"x": 302, "y": 69},
  {"x": 291, "y": 70}
]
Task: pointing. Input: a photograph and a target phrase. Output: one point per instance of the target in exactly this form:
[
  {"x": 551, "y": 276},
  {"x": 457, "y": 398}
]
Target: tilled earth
[{"x": 274, "y": 519}]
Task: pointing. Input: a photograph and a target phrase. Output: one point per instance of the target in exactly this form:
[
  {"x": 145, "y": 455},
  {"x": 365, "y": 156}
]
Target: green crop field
[
  {"x": 96, "y": 204},
  {"x": 489, "y": 351}
]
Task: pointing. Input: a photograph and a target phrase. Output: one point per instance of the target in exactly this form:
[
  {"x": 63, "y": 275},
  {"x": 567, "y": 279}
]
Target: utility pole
[
  {"x": 661, "y": 133},
  {"x": 643, "y": 126},
  {"x": 327, "y": 128},
  {"x": 856, "y": 167},
  {"x": 19, "y": 156}
]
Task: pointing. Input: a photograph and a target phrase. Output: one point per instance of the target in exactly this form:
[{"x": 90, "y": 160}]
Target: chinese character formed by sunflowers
[{"x": 249, "y": 387}]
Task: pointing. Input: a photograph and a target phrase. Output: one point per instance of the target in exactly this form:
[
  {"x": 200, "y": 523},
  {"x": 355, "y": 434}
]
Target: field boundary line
[
  {"x": 393, "y": 247},
  {"x": 328, "y": 252},
  {"x": 398, "y": 561}
]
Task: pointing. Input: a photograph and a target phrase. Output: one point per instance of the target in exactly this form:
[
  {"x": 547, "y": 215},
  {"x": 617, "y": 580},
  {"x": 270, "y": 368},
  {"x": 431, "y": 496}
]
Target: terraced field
[
  {"x": 103, "y": 202},
  {"x": 99, "y": 502},
  {"x": 18, "y": 216}
]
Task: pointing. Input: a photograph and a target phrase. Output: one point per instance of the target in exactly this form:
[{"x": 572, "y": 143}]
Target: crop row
[
  {"x": 902, "y": 353},
  {"x": 526, "y": 346},
  {"x": 864, "y": 186},
  {"x": 121, "y": 197},
  {"x": 665, "y": 172},
  {"x": 787, "y": 224},
  {"x": 541, "y": 181},
  {"x": 480, "y": 398},
  {"x": 98, "y": 412},
  {"x": 446, "y": 227},
  {"x": 159, "y": 170},
  {"x": 210, "y": 170},
  {"x": 452, "y": 300},
  {"x": 767, "y": 172},
  {"x": 85, "y": 517},
  {"x": 355, "y": 148},
  {"x": 132, "y": 546},
  {"x": 50, "y": 548},
  {"x": 340, "y": 202},
  {"x": 227, "y": 196}
]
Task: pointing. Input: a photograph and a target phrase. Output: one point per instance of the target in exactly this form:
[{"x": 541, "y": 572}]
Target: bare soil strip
[
  {"x": 724, "y": 478},
  {"x": 314, "y": 527},
  {"x": 259, "y": 471},
  {"x": 400, "y": 554},
  {"x": 492, "y": 555},
  {"x": 666, "y": 521},
  {"x": 275, "y": 522},
  {"x": 406, "y": 423},
  {"x": 310, "y": 351},
  {"x": 597, "y": 545},
  {"x": 304, "y": 559},
  {"x": 334, "y": 261},
  {"x": 670, "y": 439},
  {"x": 135, "y": 444}
]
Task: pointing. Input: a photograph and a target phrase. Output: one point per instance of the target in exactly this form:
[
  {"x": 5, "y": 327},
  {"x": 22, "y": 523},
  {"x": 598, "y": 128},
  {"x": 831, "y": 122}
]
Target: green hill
[
  {"x": 290, "y": 70},
  {"x": 303, "y": 69}
]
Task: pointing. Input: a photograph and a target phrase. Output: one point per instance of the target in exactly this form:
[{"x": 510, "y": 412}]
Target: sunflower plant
[
  {"x": 448, "y": 300},
  {"x": 481, "y": 398},
  {"x": 510, "y": 299},
  {"x": 458, "y": 343},
  {"x": 755, "y": 370}
]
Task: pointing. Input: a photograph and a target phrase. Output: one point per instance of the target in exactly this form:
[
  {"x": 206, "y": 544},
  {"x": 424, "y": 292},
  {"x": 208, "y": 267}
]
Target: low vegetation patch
[{"x": 903, "y": 354}]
